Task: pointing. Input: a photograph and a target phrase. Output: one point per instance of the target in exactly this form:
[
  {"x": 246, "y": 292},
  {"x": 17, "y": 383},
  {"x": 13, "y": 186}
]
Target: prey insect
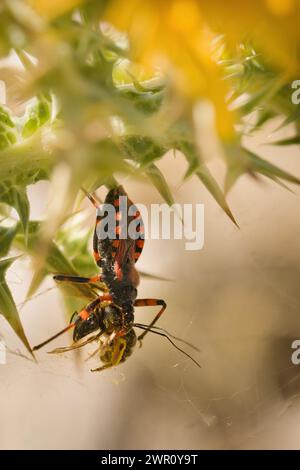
[{"x": 109, "y": 318}]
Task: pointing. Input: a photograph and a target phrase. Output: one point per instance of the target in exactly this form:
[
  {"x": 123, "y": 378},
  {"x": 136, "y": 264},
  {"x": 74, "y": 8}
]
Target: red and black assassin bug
[{"x": 112, "y": 313}]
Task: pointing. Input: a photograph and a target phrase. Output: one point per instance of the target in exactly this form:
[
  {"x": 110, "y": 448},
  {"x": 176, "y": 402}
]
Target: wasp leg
[
  {"x": 92, "y": 354},
  {"x": 150, "y": 303},
  {"x": 99, "y": 369},
  {"x": 78, "y": 279},
  {"x": 75, "y": 345}
]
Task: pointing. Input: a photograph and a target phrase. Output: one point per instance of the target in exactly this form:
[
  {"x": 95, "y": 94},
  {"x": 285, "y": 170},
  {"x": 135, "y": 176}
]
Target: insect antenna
[
  {"x": 39, "y": 346},
  {"x": 170, "y": 335},
  {"x": 137, "y": 325},
  {"x": 91, "y": 198}
]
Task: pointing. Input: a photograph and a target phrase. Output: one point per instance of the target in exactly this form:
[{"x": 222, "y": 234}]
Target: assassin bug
[{"x": 112, "y": 313}]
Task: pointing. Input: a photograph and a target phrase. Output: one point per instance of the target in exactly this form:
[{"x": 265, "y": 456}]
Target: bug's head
[
  {"x": 117, "y": 318},
  {"x": 112, "y": 317},
  {"x": 84, "y": 327}
]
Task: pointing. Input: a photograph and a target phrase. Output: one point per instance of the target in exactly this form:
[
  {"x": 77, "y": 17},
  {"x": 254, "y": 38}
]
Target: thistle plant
[{"x": 102, "y": 88}]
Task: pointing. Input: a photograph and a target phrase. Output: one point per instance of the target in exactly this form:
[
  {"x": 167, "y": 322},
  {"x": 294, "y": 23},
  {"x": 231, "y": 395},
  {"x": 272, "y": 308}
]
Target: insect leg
[
  {"x": 84, "y": 314},
  {"x": 150, "y": 303},
  {"x": 99, "y": 369},
  {"x": 78, "y": 279}
]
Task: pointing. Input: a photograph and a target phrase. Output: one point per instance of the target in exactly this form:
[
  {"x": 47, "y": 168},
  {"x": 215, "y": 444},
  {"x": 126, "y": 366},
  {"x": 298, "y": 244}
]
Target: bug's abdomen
[{"x": 115, "y": 243}]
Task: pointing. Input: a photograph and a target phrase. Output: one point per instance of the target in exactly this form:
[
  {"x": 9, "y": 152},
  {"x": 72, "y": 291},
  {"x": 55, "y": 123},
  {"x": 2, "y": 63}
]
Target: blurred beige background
[{"x": 237, "y": 299}]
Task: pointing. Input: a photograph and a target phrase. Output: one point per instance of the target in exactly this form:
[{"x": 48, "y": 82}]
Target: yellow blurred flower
[
  {"x": 53, "y": 8},
  {"x": 280, "y": 7},
  {"x": 173, "y": 36},
  {"x": 176, "y": 35},
  {"x": 273, "y": 26}
]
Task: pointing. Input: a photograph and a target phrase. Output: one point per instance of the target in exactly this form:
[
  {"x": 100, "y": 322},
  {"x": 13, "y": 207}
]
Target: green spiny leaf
[
  {"x": 37, "y": 115},
  {"x": 293, "y": 117},
  {"x": 191, "y": 154},
  {"x": 7, "y": 305},
  {"x": 145, "y": 102},
  {"x": 158, "y": 179},
  {"x": 16, "y": 196},
  {"x": 210, "y": 183},
  {"x": 264, "y": 116},
  {"x": 259, "y": 165},
  {"x": 5, "y": 118},
  {"x": 8, "y": 132},
  {"x": 74, "y": 241},
  {"x": 153, "y": 277},
  {"x": 290, "y": 141},
  {"x": 142, "y": 149},
  {"x": 253, "y": 101},
  {"x": 234, "y": 171},
  {"x": 7, "y": 235},
  {"x": 200, "y": 169},
  {"x": 56, "y": 262}
]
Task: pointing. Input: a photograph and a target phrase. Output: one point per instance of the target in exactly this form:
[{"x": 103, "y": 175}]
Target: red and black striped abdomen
[{"x": 121, "y": 246}]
